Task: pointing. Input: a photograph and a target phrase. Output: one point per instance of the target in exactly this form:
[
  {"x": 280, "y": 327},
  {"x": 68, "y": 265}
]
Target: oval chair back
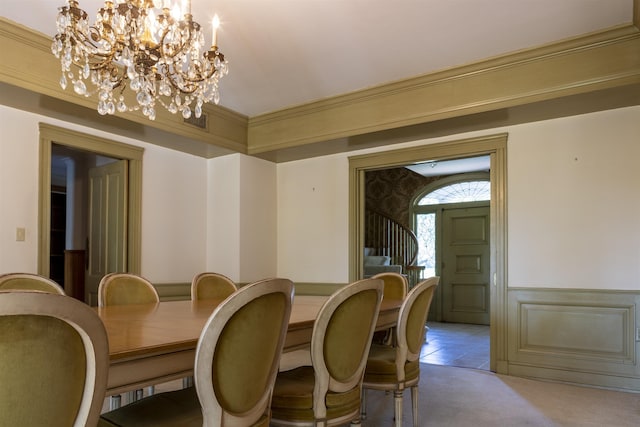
[
  {"x": 239, "y": 353},
  {"x": 124, "y": 289},
  {"x": 211, "y": 285},
  {"x": 396, "y": 285},
  {"x": 29, "y": 281},
  {"x": 54, "y": 359}
]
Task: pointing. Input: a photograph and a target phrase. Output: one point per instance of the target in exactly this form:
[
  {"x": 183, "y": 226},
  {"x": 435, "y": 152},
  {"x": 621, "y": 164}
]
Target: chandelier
[{"x": 155, "y": 50}]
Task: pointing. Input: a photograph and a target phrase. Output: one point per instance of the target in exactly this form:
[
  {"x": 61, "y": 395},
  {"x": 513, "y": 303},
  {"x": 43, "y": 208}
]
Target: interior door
[
  {"x": 107, "y": 223},
  {"x": 466, "y": 264}
]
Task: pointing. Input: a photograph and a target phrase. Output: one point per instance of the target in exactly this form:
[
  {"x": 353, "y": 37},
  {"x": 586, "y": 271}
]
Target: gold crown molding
[
  {"x": 596, "y": 61},
  {"x": 27, "y": 62}
]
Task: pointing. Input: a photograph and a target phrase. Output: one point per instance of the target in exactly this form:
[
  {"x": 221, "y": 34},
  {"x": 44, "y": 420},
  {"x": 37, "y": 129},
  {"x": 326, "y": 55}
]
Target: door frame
[
  {"x": 49, "y": 135},
  {"x": 495, "y": 146}
]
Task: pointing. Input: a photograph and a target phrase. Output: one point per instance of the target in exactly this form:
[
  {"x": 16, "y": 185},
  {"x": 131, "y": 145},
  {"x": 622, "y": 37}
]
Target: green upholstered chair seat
[
  {"x": 179, "y": 408},
  {"x": 381, "y": 366},
  {"x": 293, "y": 397}
]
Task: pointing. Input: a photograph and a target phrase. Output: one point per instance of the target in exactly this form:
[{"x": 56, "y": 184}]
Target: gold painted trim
[
  {"x": 493, "y": 145},
  {"x": 50, "y": 134}
]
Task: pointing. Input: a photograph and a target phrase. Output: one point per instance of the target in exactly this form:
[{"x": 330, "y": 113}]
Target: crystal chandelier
[{"x": 155, "y": 50}]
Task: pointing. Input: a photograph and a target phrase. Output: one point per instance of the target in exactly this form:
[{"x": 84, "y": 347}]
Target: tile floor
[{"x": 457, "y": 344}]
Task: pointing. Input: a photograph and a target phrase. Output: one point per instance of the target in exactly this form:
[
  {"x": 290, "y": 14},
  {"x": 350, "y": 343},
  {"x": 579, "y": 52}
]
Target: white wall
[
  {"x": 241, "y": 221},
  {"x": 313, "y": 219},
  {"x": 574, "y": 202},
  {"x": 223, "y": 216},
  {"x": 571, "y": 223},
  {"x": 258, "y": 216},
  {"x": 173, "y": 201},
  {"x": 18, "y": 190}
]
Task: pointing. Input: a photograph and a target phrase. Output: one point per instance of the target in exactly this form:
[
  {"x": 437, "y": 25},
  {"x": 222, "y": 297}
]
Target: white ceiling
[{"x": 284, "y": 53}]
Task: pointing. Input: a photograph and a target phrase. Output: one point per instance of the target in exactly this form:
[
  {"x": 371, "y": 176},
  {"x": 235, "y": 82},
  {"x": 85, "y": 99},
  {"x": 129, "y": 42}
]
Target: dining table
[{"x": 154, "y": 343}]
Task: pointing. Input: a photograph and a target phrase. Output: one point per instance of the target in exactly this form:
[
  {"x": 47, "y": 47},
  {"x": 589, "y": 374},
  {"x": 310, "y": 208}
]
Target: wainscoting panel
[{"x": 582, "y": 336}]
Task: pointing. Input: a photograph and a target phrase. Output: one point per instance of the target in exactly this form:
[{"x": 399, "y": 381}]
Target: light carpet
[{"x": 451, "y": 396}]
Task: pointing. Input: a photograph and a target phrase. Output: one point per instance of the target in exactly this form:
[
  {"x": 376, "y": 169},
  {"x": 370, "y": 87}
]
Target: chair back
[
  {"x": 54, "y": 358},
  {"x": 341, "y": 339},
  {"x": 396, "y": 285},
  {"x": 239, "y": 352},
  {"x": 29, "y": 281},
  {"x": 211, "y": 285},
  {"x": 124, "y": 289},
  {"x": 411, "y": 322}
]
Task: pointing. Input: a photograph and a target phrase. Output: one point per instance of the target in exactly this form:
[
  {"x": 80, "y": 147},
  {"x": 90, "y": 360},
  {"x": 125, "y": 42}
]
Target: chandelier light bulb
[{"x": 151, "y": 48}]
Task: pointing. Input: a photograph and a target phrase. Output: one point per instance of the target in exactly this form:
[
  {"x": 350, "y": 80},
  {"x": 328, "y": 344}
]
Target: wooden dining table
[{"x": 153, "y": 343}]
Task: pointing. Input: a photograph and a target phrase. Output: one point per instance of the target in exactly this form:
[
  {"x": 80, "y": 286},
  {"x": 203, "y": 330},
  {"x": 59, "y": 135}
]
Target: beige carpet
[{"x": 451, "y": 396}]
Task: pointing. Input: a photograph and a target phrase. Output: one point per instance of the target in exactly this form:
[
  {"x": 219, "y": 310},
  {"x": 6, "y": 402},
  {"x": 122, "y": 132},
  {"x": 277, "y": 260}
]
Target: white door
[
  {"x": 465, "y": 265},
  {"x": 107, "y": 249}
]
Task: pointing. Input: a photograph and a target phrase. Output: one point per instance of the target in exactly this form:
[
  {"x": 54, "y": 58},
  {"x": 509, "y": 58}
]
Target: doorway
[
  {"x": 88, "y": 219},
  {"x": 493, "y": 146},
  {"x": 76, "y": 145}
]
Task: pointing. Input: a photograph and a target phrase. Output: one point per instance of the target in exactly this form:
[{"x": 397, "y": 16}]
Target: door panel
[
  {"x": 107, "y": 225},
  {"x": 465, "y": 267}
]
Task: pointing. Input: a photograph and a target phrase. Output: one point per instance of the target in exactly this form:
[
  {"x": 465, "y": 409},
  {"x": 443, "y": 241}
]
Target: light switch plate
[{"x": 20, "y": 234}]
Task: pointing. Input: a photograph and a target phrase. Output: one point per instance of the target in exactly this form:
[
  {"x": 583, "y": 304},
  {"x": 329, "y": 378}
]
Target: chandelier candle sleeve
[
  {"x": 143, "y": 47},
  {"x": 215, "y": 24}
]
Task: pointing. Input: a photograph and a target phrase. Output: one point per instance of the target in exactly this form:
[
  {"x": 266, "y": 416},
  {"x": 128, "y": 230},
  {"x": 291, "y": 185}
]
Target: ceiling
[{"x": 284, "y": 53}]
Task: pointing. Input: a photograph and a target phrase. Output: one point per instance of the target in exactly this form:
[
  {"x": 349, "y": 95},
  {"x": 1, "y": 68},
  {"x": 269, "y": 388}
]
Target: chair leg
[
  {"x": 397, "y": 397},
  {"x": 414, "y": 404},
  {"x": 187, "y": 382},
  {"x": 115, "y": 402},
  {"x": 363, "y": 404}
]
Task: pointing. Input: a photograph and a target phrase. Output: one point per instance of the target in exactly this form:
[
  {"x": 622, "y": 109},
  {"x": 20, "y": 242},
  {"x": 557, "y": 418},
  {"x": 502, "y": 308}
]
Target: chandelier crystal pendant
[{"x": 155, "y": 50}]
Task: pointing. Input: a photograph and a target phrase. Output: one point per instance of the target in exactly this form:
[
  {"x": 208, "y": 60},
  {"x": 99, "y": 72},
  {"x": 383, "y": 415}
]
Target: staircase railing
[{"x": 388, "y": 237}]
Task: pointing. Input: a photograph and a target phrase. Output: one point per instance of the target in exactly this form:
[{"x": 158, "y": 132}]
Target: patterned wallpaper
[{"x": 390, "y": 191}]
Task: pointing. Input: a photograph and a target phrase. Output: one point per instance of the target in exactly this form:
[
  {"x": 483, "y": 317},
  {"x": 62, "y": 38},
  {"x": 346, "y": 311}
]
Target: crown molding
[{"x": 597, "y": 61}]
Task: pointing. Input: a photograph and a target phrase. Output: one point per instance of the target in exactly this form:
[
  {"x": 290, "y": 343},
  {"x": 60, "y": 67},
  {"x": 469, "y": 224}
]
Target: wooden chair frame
[{"x": 18, "y": 281}]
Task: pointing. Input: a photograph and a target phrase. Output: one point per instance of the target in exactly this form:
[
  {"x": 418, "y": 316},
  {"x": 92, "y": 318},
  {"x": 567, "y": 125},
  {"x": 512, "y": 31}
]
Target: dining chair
[
  {"x": 328, "y": 392},
  {"x": 124, "y": 289},
  {"x": 395, "y": 368},
  {"x": 396, "y": 286},
  {"x": 211, "y": 285},
  {"x": 236, "y": 362},
  {"x": 29, "y": 281},
  {"x": 54, "y": 359}
]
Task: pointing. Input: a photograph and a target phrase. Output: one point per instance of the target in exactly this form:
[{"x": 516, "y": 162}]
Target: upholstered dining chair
[
  {"x": 236, "y": 362},
  {"x": 395, "y": 368},
  {"x": 29, "y": 281},
  {"x": 328, "y": 392},
  {"x": 211, "y": 285},
  {"x": 124, "y": 289},
  {"x": 54, "y": 359},
  {"x": 396, "y": 286}
]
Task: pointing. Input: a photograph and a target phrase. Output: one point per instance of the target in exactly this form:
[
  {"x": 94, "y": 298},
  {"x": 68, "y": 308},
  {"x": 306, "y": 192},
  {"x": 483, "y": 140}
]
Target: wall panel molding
[{"x": 576, "y": 335}]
